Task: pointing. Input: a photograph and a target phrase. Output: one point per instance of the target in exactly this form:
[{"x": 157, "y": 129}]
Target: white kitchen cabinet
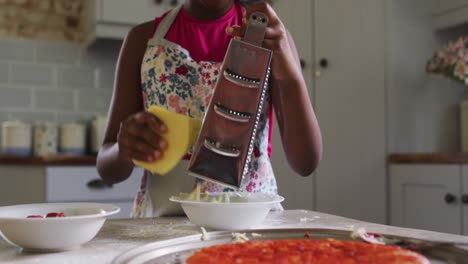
[
  {"x": 299, "y": 191},
  {"x": 65, "y": 184},
  {"x": 350, "y": 104},
  {"x": 83, "y": 184},
  {"x": 38, "y": 184},
  {"x": 450, "y": 13},
  {"x": 429, "y": 197},
  {"x": 114, "y": 18},
  {"x": 464, "y": 199},
  {"x": 342, "y": 47}
]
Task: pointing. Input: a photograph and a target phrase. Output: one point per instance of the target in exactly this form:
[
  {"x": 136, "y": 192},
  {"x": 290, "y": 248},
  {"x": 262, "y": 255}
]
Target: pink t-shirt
[{"x": 206, "y": 40}]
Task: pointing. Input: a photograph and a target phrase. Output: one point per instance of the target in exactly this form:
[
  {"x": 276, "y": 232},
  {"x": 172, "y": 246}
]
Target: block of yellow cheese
[{"x": 182, "y": 132}]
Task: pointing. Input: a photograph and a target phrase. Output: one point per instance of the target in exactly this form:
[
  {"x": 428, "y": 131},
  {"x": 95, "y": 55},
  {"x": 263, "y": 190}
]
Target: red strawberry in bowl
[
  {"x": 34, "y": 216},
  {"x": 60, "y": 214}
]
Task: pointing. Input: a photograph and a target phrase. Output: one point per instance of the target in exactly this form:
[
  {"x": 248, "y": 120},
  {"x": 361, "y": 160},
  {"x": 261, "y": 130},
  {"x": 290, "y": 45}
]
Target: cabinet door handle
[
  {"x": 98, "y": 184},
  {"x": 450, "y": 198},
  {"x": 465, "y": 198},
  {"x": 303, "y": 63},
  {"x": 158, "y": 2},
  {"x": 323, "y": 63}
]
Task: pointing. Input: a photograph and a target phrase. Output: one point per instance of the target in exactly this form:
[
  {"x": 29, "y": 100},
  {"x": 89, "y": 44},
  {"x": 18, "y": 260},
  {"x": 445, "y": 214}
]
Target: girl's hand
[
  {"x": 285, "y": 63},
  {"x": 139, "y": 138}
]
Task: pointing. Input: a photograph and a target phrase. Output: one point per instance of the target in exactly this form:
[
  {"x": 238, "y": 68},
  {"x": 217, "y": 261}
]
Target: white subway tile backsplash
[
  {"x": 75, "y": 82},
  {"x": 16, "y": 50},
  {"x": 77, "y": 117},
  {"x": 32, "y": 117},
  {"x": 96, "y": 101},
  {"x": 3, "y": 72},
  {"x": 106, "y": 78},
  {"x": 75, "y": 77},
  {"x": 4, "y": 116},
  {"x": 15, "y": 98},
  {"x": 57, "y": 53},
  {"x": 58, "y": 100},
  {"x": 103, "y": 53},
  {"x": 31, "y": 74}
]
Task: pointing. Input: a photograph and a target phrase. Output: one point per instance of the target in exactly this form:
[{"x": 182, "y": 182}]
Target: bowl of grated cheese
[{"x": 228, "y": 210}]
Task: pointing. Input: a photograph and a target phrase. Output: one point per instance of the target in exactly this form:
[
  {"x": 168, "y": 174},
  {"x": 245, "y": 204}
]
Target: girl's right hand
[{"x": 139, "y": 138}]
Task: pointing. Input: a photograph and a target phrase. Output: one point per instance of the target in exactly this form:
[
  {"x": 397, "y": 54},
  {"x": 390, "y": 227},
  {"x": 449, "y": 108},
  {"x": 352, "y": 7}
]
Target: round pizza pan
[{"x": 177, "y": 250}]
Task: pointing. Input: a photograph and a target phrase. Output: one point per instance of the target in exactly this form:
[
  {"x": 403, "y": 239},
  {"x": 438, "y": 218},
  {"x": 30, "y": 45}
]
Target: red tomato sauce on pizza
[{"x": 304, "y": 252}]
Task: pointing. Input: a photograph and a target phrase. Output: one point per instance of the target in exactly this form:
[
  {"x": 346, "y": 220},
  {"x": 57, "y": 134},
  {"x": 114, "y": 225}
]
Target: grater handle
[{"x": 256, "y": 27}]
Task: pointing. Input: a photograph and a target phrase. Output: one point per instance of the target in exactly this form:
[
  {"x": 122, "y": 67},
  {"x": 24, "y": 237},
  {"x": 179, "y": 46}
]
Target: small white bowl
[
  {"x": 81, "y": 223},
  {"x": 243, "y": 211}
]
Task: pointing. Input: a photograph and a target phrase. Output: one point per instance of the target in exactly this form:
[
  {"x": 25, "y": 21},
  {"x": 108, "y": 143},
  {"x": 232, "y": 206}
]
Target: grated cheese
[
  {"x": 239, "y": 237},
  {"x": 362, "y": 234},
  {"x": 198, "y": 196},
  {"x": 204, "y": 235},
  {"x": 306, "y": 219}
]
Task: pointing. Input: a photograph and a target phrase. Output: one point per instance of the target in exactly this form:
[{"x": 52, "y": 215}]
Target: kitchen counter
[
  {"x": 118, "y": 236},
  {"x": 428, "y": 158},
  {"x": 62, "y": 160}
]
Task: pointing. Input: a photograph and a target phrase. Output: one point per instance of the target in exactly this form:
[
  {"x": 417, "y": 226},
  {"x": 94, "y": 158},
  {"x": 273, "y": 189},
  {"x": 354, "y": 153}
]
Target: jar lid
[
  {"x": 15, "y": 123},
  {"x": 99, "y": 117}
]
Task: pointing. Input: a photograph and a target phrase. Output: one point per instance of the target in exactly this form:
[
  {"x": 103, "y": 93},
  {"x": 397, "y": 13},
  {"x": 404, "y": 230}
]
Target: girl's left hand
[{"x": 285, "y": 63}]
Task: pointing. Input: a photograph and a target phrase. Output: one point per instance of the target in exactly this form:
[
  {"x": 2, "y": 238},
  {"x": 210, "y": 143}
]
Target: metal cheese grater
[{"x": 225, "y": 144}]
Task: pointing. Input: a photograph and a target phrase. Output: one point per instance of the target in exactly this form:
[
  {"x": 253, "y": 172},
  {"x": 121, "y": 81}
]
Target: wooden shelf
[
  {"x": 428, "y": 158},
  {"x": 49, "y": 161}
]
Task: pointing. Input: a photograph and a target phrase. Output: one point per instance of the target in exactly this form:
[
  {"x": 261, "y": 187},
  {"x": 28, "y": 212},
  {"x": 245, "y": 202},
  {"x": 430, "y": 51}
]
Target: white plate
[
  {"x": 81, "y": 223},
  {"x": 244, "y": 211}
]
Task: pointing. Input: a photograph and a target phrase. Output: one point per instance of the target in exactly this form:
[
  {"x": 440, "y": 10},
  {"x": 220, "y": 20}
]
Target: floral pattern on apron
[{"x": 172, "y": 79}]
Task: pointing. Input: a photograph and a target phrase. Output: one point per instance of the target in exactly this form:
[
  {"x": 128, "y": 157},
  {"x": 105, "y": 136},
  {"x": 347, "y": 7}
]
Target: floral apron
[{"x": 172, "y": 79}]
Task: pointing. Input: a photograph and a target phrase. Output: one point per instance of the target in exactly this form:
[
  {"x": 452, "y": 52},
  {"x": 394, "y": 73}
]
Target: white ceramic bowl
[
  {"x": 244, "y": 213},
  {"x": 81, "y": 223}
]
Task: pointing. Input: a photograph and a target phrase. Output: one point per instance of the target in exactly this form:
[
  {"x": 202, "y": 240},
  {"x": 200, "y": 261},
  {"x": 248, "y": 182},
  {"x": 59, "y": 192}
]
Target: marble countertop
[{"x": 118, "y": 236}]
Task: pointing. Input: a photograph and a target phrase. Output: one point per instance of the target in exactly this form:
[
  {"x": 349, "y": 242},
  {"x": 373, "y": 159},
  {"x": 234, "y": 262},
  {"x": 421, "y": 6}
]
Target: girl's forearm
[
  {"x": 300, "y": 132},
  {"x": 110, "y": 166}
]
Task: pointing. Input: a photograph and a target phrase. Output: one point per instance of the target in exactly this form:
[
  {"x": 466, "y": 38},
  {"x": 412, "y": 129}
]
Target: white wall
[
  {"x": 422, "y": 109},
  {"x": 55, "y": 81}
]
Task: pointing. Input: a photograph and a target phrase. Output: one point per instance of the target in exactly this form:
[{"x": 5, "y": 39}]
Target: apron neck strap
[{"x": 166, "y": 23}]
